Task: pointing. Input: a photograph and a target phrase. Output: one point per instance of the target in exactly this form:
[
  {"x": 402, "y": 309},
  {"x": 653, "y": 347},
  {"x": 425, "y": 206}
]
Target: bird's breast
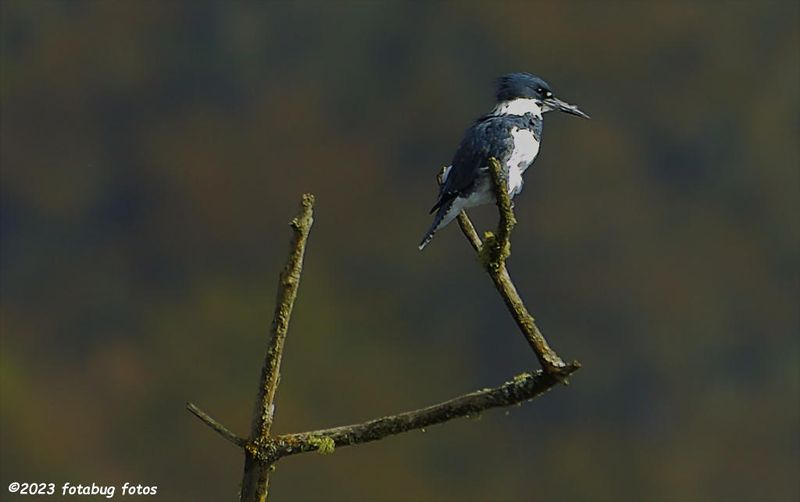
[{"x": 526, "y": 147}]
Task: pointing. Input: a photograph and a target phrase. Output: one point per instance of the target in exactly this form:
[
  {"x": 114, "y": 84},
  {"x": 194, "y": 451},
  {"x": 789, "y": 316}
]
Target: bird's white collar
[{"x": 518, "y": 106}]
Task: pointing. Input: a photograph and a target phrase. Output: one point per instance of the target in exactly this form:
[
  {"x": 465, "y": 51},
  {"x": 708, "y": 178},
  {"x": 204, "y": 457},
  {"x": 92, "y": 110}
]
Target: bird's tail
[{"x": 443, "y": 217}]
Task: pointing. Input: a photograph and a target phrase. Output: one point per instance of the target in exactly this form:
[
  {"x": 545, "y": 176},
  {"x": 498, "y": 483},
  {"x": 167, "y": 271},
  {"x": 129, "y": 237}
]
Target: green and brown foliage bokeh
[{"x": 153, "y": 153}]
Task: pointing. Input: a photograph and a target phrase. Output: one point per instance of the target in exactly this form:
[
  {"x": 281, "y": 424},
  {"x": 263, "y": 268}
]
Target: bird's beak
[{"x": 556, "y": 104}]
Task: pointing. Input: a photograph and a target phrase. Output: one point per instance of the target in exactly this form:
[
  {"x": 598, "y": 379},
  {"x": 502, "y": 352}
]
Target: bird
[{"x": 511, "y": 133}]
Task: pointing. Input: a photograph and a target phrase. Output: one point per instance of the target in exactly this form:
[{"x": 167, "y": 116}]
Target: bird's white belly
[{"x": 525, "y": 150}]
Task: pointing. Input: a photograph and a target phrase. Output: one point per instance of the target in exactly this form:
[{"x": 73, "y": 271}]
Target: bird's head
[{"x": 524, "y": 86}]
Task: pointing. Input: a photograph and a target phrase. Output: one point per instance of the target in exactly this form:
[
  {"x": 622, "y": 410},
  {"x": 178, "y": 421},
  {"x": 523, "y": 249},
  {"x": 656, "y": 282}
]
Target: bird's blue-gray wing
[{"x": 488, "y": 137}]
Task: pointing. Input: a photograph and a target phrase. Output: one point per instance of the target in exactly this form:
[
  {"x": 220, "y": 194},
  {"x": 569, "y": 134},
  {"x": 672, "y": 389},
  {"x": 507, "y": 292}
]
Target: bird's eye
[{"x": 540, "y": 90}]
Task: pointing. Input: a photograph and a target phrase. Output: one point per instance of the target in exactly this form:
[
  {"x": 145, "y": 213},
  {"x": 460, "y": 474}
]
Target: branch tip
[
  {"x": 215, "y": 425},
  {"x": 498, "y": 249}
]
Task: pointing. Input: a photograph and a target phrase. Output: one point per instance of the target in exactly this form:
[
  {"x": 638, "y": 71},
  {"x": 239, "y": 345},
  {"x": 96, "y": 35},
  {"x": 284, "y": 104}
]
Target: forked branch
[{"x": 262, "y": 449}]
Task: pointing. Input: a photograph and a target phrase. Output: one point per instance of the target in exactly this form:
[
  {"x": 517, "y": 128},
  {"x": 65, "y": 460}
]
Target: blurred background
[{"x": 154, "y": 152}]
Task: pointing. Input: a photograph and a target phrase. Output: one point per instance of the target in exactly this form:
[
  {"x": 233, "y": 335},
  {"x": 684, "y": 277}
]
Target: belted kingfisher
[{"x": 511, "y": 133}]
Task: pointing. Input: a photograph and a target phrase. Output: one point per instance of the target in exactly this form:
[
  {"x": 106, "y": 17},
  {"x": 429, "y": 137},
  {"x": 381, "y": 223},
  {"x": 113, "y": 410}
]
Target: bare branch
[
  {"x": 256, "y": 472},
  {"x": 287, "y": 292},
  {"x": 522, "y": 388},
  {"x": 262, "y": 449},
  {"x": 493, "y": 253},
  {"x": 218, "y": 427}
]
